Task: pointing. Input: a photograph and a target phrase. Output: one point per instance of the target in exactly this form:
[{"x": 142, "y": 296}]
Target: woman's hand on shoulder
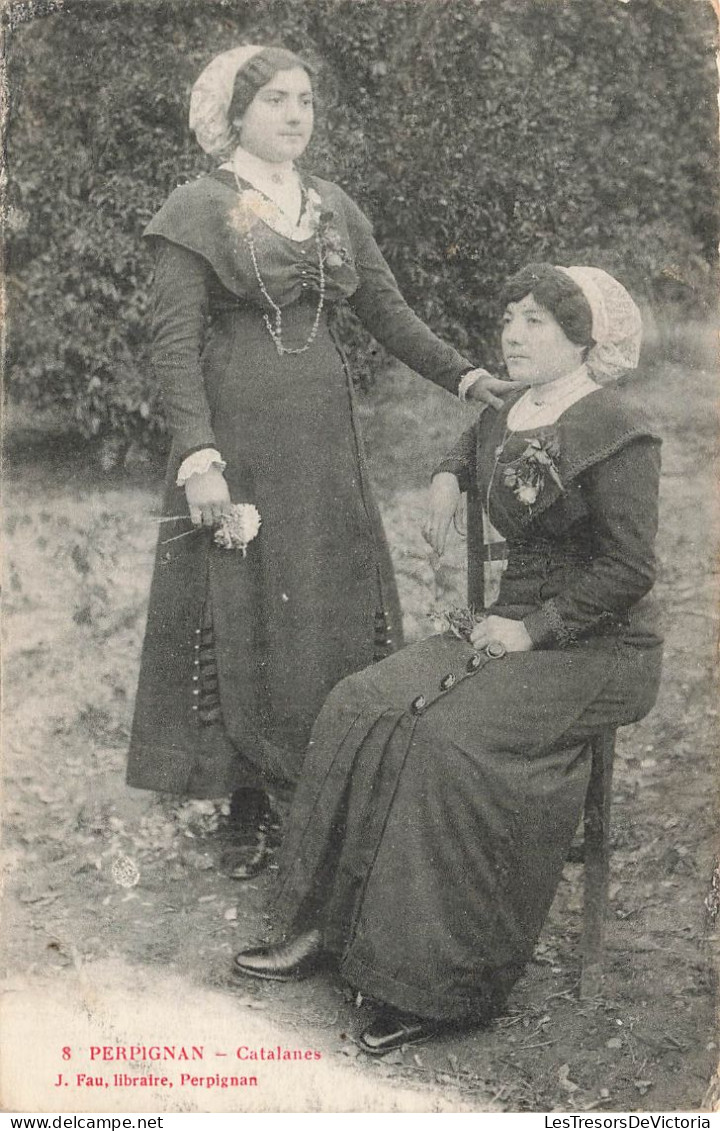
[
  {"x": 511, "y": 633},
  {"x": 488, "y": 389},
  {"x": 208, "y": 497},
  {"x": 442, "y": 504}
]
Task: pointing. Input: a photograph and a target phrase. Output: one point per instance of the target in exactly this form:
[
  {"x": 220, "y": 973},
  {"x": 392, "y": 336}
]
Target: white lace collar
[
  {"x": 544, "y": 404},
  {"x": 276, "y": 196}
]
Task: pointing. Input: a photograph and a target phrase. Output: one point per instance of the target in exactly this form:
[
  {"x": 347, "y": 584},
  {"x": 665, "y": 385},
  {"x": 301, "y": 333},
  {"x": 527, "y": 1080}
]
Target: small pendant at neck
[{"x": 251, "y": 167}]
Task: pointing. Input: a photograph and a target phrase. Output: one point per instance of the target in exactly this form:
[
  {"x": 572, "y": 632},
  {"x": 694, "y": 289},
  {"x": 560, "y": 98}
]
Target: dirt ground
[{"x": 78, "y": 558}]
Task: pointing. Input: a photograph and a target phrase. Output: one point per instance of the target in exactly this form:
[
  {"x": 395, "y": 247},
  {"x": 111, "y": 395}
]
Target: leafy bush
[{"x": 479, "y": 135}]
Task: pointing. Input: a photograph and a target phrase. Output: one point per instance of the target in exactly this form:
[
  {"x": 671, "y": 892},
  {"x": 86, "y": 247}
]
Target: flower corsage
[
  {"x": 250, "y": 207},
  {"x": 526, "y": 476},
  {"x": 335, "y": 254}
]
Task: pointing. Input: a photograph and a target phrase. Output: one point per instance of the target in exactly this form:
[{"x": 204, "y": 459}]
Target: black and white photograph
[{"x": 361, "y": 542}]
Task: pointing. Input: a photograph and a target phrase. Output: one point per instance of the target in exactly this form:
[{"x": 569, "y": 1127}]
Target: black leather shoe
[
  {"x": 253, "y": 831},
  {"x": 290, "y": 961},
  {"x": 392, "y": 1029},
  {"x": 246, "y": 861}
]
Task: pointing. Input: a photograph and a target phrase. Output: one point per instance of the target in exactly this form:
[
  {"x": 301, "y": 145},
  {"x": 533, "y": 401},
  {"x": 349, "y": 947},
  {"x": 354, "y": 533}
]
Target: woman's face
[
  {"x": 278, "y": 123},
  {"x": 535, "y": 347}
]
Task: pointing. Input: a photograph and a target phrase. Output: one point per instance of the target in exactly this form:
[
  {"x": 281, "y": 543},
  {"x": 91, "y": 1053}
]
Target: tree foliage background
[{"x": 478, "y": 134}]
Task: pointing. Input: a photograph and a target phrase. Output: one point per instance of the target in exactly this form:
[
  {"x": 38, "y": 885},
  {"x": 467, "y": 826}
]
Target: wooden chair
[
  {"x": 596, "y": 816},
  {"x": 596, "y": 827}
]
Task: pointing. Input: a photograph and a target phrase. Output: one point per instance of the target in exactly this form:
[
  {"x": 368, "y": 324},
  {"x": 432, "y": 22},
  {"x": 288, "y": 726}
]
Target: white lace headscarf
[
  {"x": 211, "y": 98},
  {"x": 616, "y": 323}
]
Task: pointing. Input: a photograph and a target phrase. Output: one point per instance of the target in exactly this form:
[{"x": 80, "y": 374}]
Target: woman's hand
[
  {"x": 488, "y": 389},
  {"x": 207, "y": 497},
  {"x": 511, "y": 633},
  {"x": 442, "y": 504}
]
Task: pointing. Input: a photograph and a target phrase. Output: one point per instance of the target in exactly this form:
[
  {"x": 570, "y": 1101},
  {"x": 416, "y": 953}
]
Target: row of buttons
[
  {"x": 196, "y": 664},
  {"x": 494, "y": 650}
]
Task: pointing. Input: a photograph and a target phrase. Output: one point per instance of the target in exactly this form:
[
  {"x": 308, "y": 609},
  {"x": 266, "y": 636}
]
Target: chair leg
[{"x": 597, "y": 861}]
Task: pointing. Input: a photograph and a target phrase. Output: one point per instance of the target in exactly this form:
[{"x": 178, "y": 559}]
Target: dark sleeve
[
  {"x": 460, "y": 461},
  {"x": 622, "y": 495},
  {"x": 383, "y": 311},
  {"x": 180, "y": 310}
]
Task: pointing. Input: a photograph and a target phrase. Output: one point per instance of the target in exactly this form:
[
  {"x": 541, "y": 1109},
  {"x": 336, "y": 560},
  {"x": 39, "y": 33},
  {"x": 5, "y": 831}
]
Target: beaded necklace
[{"x": 275, "y": 330}]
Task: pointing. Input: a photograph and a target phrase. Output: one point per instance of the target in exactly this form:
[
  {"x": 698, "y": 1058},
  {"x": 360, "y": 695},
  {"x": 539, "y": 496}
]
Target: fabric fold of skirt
[{"x": 430, "y": 841}]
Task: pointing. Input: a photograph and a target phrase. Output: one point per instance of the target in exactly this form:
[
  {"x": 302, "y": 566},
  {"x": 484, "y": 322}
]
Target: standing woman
[{"x": 242, "y": 649}]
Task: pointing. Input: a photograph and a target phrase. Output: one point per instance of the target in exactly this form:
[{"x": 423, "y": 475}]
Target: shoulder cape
[
  {"x": 590, "y": 431},
  {"x": 196, "y": 216},
  {"x": 599, "y": 425}
]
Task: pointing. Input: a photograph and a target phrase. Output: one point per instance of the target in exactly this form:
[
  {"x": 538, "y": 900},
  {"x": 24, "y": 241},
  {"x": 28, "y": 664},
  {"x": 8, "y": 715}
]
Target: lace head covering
[
  {"x": 616, "y": 323},
  {"x": 228, "y": 85},
  {"x": 211, "y": 97}
]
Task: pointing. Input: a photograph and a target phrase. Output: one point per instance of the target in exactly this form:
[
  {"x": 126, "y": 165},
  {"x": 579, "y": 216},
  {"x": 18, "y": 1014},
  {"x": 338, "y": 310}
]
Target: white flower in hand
[{"x": 238, "y": 527}]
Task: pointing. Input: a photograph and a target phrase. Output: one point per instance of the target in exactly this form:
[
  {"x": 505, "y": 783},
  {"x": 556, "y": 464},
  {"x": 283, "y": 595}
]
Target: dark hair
[
  {"x": 556, "y": 292},
  {"x": 258, "y": 71}
]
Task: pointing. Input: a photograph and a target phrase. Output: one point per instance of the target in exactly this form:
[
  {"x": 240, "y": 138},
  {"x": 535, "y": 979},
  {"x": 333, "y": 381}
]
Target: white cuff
[
  {"x": 466, "y": 383},
  {"x": 198, "y": 463}
]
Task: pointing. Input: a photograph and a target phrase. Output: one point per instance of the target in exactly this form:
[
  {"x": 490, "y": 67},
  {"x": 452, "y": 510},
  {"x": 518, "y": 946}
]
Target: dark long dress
[
  {"x": 240, "y": 652},
  {"x": 442, "y": 788}
]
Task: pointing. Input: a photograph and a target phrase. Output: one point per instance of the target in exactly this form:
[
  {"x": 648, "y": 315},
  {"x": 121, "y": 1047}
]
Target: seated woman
[{"x": 444, "y": 784}]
